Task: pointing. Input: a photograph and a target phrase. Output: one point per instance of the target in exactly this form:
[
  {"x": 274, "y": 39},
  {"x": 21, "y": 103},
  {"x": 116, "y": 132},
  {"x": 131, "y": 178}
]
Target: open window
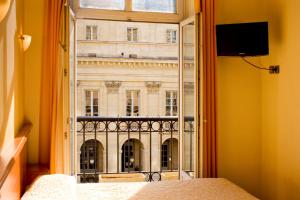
[
  {"x": 135, "y": 136},
  {"x": 190, "y": 96}
]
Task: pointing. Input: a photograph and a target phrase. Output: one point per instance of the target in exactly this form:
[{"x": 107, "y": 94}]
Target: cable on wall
[{"x": 274, "y": 69}]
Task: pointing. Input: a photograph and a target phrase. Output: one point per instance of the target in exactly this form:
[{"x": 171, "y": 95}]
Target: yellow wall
[
  {"x": 11, "y": 74},
  {"x": 281, "y": 105},
  {"x": 259, "y": 113},
  {"x": 239, "y": 105},
  {"x": 189, "y": 8},
  {"x": 34, "y": 13}
]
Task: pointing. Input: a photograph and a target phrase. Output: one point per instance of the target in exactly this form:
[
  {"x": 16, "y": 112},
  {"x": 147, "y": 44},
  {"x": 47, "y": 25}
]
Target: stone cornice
[{"x": 128, "y": 62}]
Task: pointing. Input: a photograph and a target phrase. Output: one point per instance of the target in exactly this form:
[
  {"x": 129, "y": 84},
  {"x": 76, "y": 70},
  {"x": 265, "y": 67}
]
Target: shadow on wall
[{"x": 11, "y": 72}]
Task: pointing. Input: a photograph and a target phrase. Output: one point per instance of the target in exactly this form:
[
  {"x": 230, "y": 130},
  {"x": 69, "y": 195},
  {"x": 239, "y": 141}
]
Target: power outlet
[{"x": 274, "y": 69}]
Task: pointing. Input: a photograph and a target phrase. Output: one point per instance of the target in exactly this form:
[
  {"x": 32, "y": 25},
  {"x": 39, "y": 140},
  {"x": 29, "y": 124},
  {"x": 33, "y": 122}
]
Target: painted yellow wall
[
  {"x": 189, "y": 8},
  {"x": 259, "y": 113},
  {"x": 34, "y": 14},
  {"x": 239, "y": 105},
  {"x": 11, "y": 74},
  {"x": 281, "y": 105}
]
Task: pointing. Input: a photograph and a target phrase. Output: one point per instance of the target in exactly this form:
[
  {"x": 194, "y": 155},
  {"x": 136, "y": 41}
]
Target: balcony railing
[{"x": 119, "y": 145}]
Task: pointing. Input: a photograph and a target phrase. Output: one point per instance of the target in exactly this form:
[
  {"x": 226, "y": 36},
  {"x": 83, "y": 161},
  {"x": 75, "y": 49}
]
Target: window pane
[
  {"x": 95, "y": 98},
  {"x": 88, "y": 33},
  {"x": 103, "y": 4},
  {"x": 87, "y": 98},
  {"x": 165, "y": 6}
]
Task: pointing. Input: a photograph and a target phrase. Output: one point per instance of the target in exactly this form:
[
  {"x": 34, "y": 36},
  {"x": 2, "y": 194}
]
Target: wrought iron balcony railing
[{"x": 116, "y": 145}]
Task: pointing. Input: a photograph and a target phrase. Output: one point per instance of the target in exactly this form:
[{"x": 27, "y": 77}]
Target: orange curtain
[
  {"x": 51, "y": 89},
  {"x": 207, "y": 8}
]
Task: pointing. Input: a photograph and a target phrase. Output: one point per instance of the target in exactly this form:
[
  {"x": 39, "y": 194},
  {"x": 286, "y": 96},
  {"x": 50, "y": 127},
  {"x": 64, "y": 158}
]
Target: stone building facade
[{"x": 127, "y": 69}]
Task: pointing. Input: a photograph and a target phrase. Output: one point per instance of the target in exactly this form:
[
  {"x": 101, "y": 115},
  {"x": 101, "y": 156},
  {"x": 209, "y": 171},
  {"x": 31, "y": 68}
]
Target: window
[
  {"x": 132, "y": 34},
  {"x": 163, "y": 6},
  {"x": 103, "y": 4},
  {"x": 91, "y": 32},
  {"x": 91, "y": 103},
  {"x": 171, "y": 103},
  {"x": 132, "y": 105},
  {"x": 171, "y": 36}
]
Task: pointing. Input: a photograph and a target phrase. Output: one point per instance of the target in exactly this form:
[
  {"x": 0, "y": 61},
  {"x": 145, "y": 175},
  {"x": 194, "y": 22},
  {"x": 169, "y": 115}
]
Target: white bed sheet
[
  {"x": 196, "y": 189},
  {"x": 61, "y": 187}
]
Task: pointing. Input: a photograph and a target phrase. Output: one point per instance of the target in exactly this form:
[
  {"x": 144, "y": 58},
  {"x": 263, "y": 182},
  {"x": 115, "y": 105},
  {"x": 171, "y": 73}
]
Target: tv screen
[{"x": 247, "y": 39}]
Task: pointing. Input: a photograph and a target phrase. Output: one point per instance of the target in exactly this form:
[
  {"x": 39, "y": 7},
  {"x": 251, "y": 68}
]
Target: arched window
[
  {"x": 132, "y": 155},
  {"x": 169, "y": 155},
  {"x": 91, "y": 156}
]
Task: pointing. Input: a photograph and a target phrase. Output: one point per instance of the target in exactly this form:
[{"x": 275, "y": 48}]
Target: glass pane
[
  {"x": 95, "y": 98},
  {"x": 188, "y": 70},
  {"x": 164, "y": 6},
  {"x": 103, "y": 4},
  {"x": 88, "y": 98}
]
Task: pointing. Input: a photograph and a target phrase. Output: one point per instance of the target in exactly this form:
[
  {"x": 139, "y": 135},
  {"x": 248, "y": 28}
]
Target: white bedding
[{"x": 196, "y": 189}]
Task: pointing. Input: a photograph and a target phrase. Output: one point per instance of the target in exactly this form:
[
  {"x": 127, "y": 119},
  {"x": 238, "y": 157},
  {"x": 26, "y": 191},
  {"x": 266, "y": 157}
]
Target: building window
[
  {"x": 91, "y": 32},
  {"x": 91, "y": 103},
  {"x": 171, "y": 103},
  {"x": 132, "y": 34},
  {"x": 171, "y": 36},
  {"x": 132, "y": 105}
]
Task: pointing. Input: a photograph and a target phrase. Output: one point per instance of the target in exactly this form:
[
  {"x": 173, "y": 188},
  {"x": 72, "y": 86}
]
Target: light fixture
[
  {"x": 4, "y": 7},
  {"x": 25, "y": 41},
  {"x": 131, "y": 160}
]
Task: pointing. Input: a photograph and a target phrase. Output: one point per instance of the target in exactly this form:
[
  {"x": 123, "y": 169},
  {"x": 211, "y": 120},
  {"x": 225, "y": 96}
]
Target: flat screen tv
[{"x": 246, "y": 39}]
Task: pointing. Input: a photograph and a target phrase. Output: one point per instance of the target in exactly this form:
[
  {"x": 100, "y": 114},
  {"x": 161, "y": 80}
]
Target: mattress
[{"x": 196, "y": 189}]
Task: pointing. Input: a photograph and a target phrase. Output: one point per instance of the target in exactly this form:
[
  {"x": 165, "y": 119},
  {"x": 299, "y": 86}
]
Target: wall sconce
[
  {"x": 4, "y": 7},
  {"x": 25, "y": 41}
]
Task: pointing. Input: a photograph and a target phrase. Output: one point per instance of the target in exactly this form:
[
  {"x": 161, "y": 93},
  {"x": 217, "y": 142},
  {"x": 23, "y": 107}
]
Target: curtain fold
[
  {"x": 51, "y": 131},
  {"x": 207, "y": 7}
]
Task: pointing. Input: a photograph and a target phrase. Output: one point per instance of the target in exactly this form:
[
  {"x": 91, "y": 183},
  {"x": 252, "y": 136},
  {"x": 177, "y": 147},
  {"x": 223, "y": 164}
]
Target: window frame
[
  {"x": 93, "y": 36},
  {"x": 170, "y": 39},
  {"x": 133, "y": 36},
  {"x": 132, "y": 114},
  {"x": 91, "y": 102},
  {"x": 172, "y": 94},
  {"x": 129, "y": 15}
]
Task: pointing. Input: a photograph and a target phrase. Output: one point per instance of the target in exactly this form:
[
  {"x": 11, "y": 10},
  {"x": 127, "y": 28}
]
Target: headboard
[{"x": 13, "y": 166}]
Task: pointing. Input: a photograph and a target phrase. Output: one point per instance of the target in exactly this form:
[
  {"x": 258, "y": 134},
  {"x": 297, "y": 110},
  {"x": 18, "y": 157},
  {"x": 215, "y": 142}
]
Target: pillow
[{"x": 52, "y": 187}]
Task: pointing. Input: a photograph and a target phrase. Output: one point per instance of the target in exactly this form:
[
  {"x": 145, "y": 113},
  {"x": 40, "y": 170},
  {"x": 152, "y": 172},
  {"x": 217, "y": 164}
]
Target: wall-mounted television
[{"x": 245, "y": 39}]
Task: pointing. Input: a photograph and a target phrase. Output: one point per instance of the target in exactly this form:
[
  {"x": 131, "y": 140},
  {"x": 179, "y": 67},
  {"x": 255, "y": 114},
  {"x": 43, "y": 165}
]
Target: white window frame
[
  {"x": 91, "y": 101},
  {"x": 170, "y": 39},
  {"x": 172, "y": 93},
  {"x": 93, "y": 36},
  {"x": 129, "y": 15},
  {"x": 132, "y": 102},
  {"x": 131, "y": 35}
]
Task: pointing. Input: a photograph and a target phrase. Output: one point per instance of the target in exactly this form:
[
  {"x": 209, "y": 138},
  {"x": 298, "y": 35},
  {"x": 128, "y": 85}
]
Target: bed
[{"x": 62, "y": 187}]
